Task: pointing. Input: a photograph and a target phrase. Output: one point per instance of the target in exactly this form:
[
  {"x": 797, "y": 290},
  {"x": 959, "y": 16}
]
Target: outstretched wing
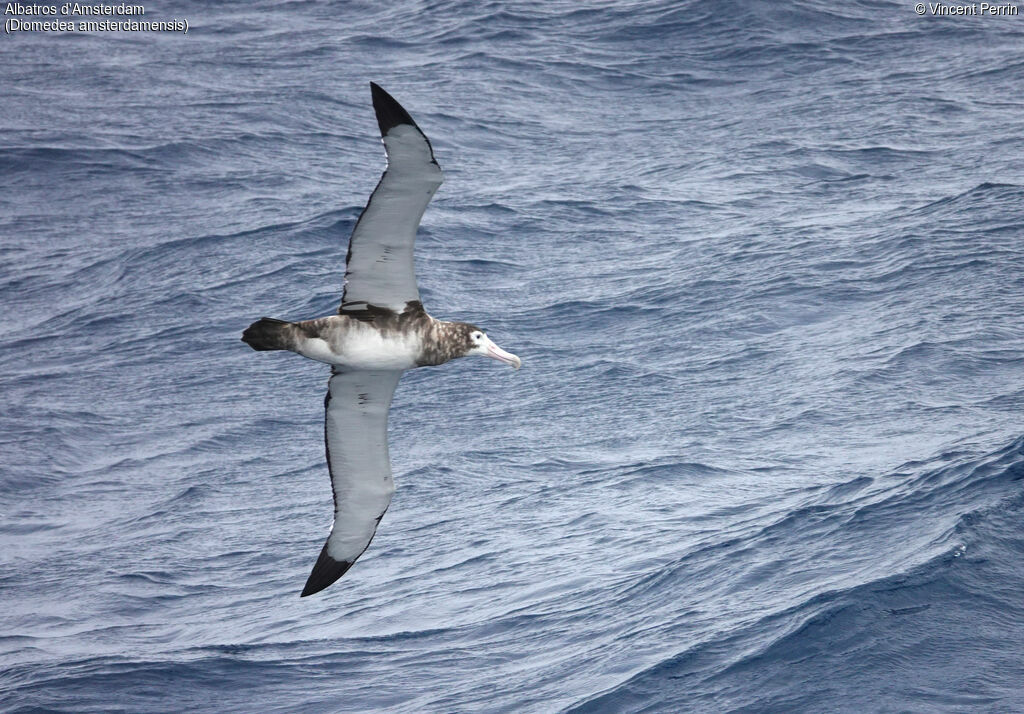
[
  {"x": 379, "y": 269},
  {"x": 356, "y": 434}
]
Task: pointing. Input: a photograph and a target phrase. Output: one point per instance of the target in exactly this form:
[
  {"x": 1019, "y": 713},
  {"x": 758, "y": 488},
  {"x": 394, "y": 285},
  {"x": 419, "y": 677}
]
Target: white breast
[{"x": 360, "y": 345}]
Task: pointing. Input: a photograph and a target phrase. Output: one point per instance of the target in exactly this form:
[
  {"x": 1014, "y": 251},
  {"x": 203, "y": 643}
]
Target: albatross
[{"x": 379, "y": 331}]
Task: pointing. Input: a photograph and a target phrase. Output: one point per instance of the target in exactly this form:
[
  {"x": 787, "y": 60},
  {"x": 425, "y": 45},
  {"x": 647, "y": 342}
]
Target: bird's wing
[
  {"x": 356, "y": 434},
  {"x": 379, "y": 269}
]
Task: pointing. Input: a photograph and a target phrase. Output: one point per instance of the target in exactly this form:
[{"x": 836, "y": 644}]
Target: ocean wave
[{"x": 887, "y": 627}]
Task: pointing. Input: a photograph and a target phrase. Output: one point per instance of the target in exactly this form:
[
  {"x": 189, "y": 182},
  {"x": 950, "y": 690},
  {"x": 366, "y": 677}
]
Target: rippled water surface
[{"x": 762, "y": 262}]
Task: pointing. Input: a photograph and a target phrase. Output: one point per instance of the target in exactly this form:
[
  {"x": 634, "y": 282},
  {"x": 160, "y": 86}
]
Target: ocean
[{"x": 763, "y": 265}]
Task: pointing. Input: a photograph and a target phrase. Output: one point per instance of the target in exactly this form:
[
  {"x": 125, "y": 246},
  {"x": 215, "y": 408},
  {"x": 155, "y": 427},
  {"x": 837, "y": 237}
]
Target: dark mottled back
[{"x": 413, "y": 317}]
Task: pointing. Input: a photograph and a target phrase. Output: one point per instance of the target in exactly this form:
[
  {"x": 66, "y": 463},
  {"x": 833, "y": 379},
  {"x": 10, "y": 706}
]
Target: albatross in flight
[{"x": 380, "y": 330}]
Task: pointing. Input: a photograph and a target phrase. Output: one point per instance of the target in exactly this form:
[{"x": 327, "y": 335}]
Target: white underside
[{"x": 357, "y": 345}]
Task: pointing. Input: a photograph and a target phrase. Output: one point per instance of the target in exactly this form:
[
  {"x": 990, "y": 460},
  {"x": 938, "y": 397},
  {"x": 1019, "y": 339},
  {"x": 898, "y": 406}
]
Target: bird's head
[{"x": 475, "y": 341}]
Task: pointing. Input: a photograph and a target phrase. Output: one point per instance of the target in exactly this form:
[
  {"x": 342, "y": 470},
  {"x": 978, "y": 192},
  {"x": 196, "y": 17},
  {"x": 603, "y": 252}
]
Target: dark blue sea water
[{"x": 763, "y": 263}]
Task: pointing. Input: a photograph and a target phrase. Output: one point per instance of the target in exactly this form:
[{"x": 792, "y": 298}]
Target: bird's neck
[{"x": 439, "y": 343}]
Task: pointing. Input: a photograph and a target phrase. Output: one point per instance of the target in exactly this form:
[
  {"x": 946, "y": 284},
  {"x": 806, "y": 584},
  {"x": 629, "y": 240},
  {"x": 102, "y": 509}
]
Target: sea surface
[{"x": 764, "y": 265}]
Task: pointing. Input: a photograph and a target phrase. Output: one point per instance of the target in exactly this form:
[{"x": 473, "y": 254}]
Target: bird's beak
[{"x": 495, "y": 352}]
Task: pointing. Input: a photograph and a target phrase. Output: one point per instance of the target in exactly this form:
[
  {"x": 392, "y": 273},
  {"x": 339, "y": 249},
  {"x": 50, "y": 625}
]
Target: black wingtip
[
  {"x": 326, "y": 571},
  {"x": 389, "y": 112}
]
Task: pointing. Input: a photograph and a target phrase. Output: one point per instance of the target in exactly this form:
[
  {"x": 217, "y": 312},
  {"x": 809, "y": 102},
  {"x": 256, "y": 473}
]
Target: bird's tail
[{"x": 269, "y": 334}]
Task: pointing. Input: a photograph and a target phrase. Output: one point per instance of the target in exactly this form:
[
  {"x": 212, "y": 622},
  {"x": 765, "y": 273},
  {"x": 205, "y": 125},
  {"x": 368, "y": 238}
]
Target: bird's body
[
  {"x": 390, "y": 340},
  {"x": 381, "y": 330}
]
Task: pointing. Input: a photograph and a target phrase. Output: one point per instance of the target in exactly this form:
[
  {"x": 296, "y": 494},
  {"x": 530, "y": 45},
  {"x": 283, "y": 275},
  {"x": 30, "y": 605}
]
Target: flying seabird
[{"x": 380, "y": 330}]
